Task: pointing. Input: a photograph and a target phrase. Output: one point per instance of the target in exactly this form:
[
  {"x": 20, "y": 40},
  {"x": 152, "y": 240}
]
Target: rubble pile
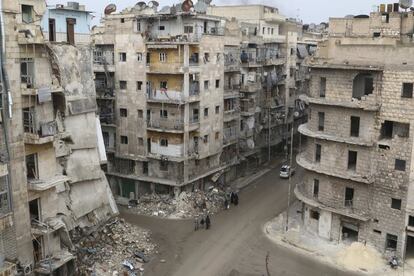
[
  {"x": 117, "y": 248},
  {"x": 186, "y": 205}
]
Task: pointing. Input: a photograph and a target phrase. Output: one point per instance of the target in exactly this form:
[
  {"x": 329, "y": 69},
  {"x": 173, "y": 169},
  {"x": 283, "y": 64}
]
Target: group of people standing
[
  {"x": 205, "y": 220},
  {"x": 234, "y": 199}
]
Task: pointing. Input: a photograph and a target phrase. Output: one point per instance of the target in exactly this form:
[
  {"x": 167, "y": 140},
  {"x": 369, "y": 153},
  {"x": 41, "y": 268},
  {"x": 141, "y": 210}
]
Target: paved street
[{"x": 236, "y": 244}]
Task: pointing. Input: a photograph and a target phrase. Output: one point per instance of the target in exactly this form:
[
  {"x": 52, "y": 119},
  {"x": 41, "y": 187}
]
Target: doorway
[
  {"x": 70, "y": 30},
  {"x": 349, "y": 232},
  {"x": 52, "y": 29}
]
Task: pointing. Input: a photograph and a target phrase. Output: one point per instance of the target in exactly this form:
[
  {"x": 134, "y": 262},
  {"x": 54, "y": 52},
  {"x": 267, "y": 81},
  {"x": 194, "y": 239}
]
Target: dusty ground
[{"x": 236, "y": 244}]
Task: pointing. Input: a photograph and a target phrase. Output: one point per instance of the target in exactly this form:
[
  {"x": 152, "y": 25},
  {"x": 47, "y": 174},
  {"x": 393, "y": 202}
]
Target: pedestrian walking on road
[
  {"x": 226, "y": 204},
  {"x": 202, "y": 222},
  {"x": 236, "y": 199},
  {"x": 232, "y": 198},
  {"x": 208, "y": 222},
  {"x": 196, "y": 223}
]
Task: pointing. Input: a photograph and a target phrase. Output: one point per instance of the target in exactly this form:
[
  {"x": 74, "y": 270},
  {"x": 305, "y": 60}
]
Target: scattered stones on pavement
[{"x": 116, "y": 248}]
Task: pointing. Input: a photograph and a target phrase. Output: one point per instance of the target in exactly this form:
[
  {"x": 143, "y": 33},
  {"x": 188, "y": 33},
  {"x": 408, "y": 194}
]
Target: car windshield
[{"x": 284, "y": 169}]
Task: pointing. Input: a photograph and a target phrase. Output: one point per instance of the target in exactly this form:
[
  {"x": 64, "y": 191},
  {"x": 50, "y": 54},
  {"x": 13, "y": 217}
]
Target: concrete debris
[
  {"x": 117, "y": 248},
  {"x": 185, "y": 205}
]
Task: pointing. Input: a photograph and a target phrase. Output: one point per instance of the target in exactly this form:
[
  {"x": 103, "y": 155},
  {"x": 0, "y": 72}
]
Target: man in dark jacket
[{"x": 208, "y": 222}]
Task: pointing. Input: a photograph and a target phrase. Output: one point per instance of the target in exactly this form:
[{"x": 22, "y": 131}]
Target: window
[
  {"x": 217, "y": 83},
  {"x": 399, "y": 165},
  {"x": 322, "y": 88},
  {"x": 27, "y": 71},
  {"x": 122, "y": 57},
  {"x": 263, "y": 30},
  {"x": 29, "y": 120},
  {"x": 206, "y": 57},
  {"x": 206, "y": 85},
  {"x": 122, "y": 85},
  {"x": 163, "y": 113},
  {"x": 123, "y": 112},
  {"x": 217, "y": 109},
  {"x": 411, "y": 221},
  {"x": 163, "y": 84},
  {"x": 161, "y": 28},
  {"x": 205, "y": 139},
  {"x": 27, "y": 14},
  {"x": 396, "y": 203},
  {"x": 318, "y": 150},
  {"x": 363, "y": 84},
  {"x": 316, "y": 188},
  {"x": 188, "y": 29},
  {"x": 164, "y": 165},
  {"x": 32, "y": 171},
  {"x": 105, "y": 136},
  {"x": 163, "y": 57},
  {"x": 164, "y": 142},
  {"x": 407, "y": 90},
  {"x": 314, "y": 214},
  {"x": 145, "y": 167},
  {"x": 272, "y": 31},
  {"x": 139, "y": 57},
  {"x": 122, "y": 20},
  {"x": 139, "y": 85},
  {"x": 321, "y": 121},
  {"x": 349, "y": 197},
  {"x": 354, "y": 126},
  {"x": 377, "y": 34},
  {"x": 124, "y": 140},
  {"x": 385, "y": 18},
  {"x": 140, "y": 113},
  {"x": 206, "y": 112},
  {"x": 138, "y": 26},
  {"x": 4, "y": 195},
  {"x": 391, "y": 242},
  {"x": 140, "y": 141},
  {"x": 377, "y": 231},
  {"x": 217, "y": 135},
  {"x": 389, "y": 129},
  {"x": 352, "y": 160}
]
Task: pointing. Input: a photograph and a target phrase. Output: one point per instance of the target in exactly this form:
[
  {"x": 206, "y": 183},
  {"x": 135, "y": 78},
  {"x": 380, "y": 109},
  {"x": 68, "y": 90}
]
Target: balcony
[
  {"x": 107, "y": 119},
  {"x": 251, "y": 87},
  {"x": 103, "y": 60},
  {"x": 232, "y": 91},
  {"x": 230, "y": 115},
  {"x": 27, "y": 90},
  {"x": 173, "y": 97},
  {"x": 230, "y": 135},
  {"x": 344, "y": 174},
  {"x": 359, "y": 141},
  {"x": 274, "y": 60},
  {"x": 29, "y": 34},
  {"x": 45, "y": 184},
  {"x": 369, "y": 103},
  {"x": 166, "y": 125},
  {"x": 37, "y": 133},
  {"x": 166, "y": 68}
]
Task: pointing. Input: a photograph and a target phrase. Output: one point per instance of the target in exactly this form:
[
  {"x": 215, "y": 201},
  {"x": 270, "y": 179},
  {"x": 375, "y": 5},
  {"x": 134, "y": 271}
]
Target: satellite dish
[
  {"x": 187, "y": 5},
  {"x": 141, "y": 5},
  {"x": 153, "y": 4},
  {"x": 406, "y": 4},
  {"x": 110, "y": 9}
]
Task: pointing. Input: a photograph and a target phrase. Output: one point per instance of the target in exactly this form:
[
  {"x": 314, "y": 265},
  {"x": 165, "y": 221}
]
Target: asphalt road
[{"x": 236, "y": 244}]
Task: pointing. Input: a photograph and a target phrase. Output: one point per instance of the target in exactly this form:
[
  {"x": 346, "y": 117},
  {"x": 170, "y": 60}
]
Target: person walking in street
[
  {"x": 196, "y": 223},
  {"x": 226, "y": 204},
  {"x": 208, "y": 222},
  {"x": 236, "y": 199},
  {"x": 232, "y": 198}
]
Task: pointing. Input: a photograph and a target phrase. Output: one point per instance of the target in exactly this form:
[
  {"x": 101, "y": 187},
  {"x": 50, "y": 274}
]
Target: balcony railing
[
  {"x": 230, "y": 135},
  {"x": 166, "y": 124},
  {"x": 166, "y": 68}
]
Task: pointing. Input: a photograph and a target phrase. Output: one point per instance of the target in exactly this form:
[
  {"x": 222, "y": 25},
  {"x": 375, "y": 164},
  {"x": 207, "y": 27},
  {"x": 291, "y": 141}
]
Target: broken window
[
  {"x": 321, "y": 121},
  {"x": 140, "y": 113},
  {"x": 205, "y": 139},
  {"x": 318, "y": 150},
  {"x": 195, "y": 117},
  {"x": 352, "y": 160},
  {"x": 161, "y": 28},
  {"x": 123, "y": 112},
  {"x": 322, "y": 88},
  {"x": 349, "y": 197},
  {"x": 391, "y": 242},
  {"x": 363, "y": 85},
  {"x": 29, "y": 120},
  {"x": 122, "y": 57},
  {"x": 122, "y": 20},
  {"x": 396, "y": 203},
  {"x": 34, "y": 210},
  {"x": 123, "y": 85},
  {"x": 355, "y": 126},
  {"x": 164, "y": 114},
  {"x": 163, "y": 57},
  {"x": 314, "y": 214},
  {"x": 139, "y": 57},
  {"x": 411, "y": 221},
  {"x": 32, "y": 166},
  {"x": 217, "y": 83},
  {"x": 399, "y": 165},
  {"x": 206, "y": 85},
  {"x": 139, "y": 85},
  {"x": 217, "y": 135},
  {"x": 27, "y": 71},
  {"x": 389, "y": 129},
  {"x": 206, "y": 112},
  {"x": 124, "y": 139},
  {"x": 164, "y": 142},
  {"x": 217, "y": 109},
  {"x": 206, "y": 57},
  {"x": 27, "y": 13},
  {"x": 315, "y": 188},
  {"x": 4, "y": 195},
  {"x": 407, "y": 90}
]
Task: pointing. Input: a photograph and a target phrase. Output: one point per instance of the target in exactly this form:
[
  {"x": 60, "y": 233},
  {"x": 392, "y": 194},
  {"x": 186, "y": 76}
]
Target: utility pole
[
  {"x": 269, "y": 135},
  {"x": 290, "y": 175}
]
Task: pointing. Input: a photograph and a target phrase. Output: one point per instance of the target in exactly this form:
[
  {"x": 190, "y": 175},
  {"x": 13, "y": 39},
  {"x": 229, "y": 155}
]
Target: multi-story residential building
[
  {"x": 50, "y": 162},
  {"x": 358, "y": 150}
]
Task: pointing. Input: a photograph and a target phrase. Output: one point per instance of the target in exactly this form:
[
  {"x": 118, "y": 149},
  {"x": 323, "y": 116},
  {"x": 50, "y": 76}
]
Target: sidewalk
[{"x": 355, "y": 257}]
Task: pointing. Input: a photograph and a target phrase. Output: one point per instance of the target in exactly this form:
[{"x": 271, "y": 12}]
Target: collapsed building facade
[
  {"x": 358, "y": 148},
  {"x": 51, "y": 179},
  {"x": 184, "y": 92}
]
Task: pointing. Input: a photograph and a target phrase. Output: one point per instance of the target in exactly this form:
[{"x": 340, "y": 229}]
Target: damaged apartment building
[
  {"x": 186, "y": 94},
  {"x": 358, "y": 144},
  {"x": 51, "y": 180}
]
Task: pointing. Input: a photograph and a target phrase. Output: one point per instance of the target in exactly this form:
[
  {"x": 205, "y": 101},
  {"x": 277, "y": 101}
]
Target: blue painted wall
[{"x": 83, "y": 20}]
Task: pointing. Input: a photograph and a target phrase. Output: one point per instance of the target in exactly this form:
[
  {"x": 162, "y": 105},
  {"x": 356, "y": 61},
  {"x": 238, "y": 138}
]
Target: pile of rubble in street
[
  {"x": 185, "y": 205},
  {"x": 117, "y": 248}
]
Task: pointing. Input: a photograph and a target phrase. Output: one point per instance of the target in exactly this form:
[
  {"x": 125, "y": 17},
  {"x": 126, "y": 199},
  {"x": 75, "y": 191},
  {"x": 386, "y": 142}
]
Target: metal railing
[{"x": 171, "y": 124}]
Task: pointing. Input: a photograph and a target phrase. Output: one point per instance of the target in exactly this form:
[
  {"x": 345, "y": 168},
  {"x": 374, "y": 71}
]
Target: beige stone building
[
  {"x": 51, "y": 180},
  {"x": 358, "y": 146}
]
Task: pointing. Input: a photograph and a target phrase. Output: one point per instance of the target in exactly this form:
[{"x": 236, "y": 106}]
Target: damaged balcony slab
[
  {"x": 36, "y": 139},
  {"x": 353, "y": 103},
  {"x": 38, "y": 91},
  {"x": 322, "y": 64},
  {"x": 29, "y": 34},
  {"x": 46, "y": 267},
  {"x": 344, "y": 212},
  {"x": 43, "y": 185},
  {"x": 304, "y": 129},
  {"x": 145, "y": 179},
  {"x": 316, "y": 167}
]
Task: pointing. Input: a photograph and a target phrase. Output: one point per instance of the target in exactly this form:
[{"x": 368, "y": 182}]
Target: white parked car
[{"x": 285, "y": 170}]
